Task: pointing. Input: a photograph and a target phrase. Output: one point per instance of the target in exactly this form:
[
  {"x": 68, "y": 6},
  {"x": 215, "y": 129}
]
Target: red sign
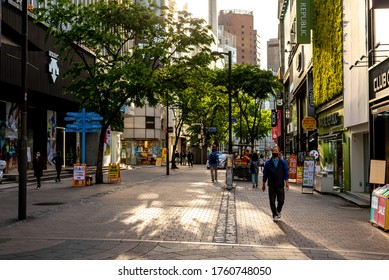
[
  {"x": 292, "y": 167},
  {"x": 381, "y": 211},
  {"x": 274, "y": 133}
]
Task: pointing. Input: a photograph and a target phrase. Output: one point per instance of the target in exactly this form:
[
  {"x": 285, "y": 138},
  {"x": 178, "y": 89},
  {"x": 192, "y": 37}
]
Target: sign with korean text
[
  {"x": 299, "y": 177},
  {"x": 273, "y": 118},
  {"x": 279, "y": 126},
  {"x": 274, "y": 134},
  {"x": 293, "y": 167},
  {"x": 309, "y": 171},
  {"x": 79, "y": 175},
  {"x": 308, "y": 123},
  {"x": 304, "y": 21},
  {"x": 113, "y": 173}
]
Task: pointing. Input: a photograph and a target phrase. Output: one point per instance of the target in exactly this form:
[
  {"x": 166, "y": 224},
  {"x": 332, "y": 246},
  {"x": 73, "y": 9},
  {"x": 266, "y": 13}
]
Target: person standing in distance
[
  {"x": 276, "y": 173},
  {"x": 39, "y": 164},
  {"x": 58, "y": 161},
  {"x": 213, "y": 160},
  {"x": 190, "y": 159}
]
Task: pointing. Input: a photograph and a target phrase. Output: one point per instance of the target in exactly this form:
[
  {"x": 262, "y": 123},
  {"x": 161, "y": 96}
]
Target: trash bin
[{"x": 89, "y": 180}]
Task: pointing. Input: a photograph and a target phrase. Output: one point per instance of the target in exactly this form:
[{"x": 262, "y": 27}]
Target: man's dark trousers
[{"x": 279, "y": 195}]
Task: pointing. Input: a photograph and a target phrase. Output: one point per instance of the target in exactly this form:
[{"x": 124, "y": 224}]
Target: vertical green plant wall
[{"x": 327, "y": 50}]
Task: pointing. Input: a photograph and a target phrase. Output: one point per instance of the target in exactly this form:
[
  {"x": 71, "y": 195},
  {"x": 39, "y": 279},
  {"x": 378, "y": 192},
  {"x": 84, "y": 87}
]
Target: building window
[
  {"x": 242, "y": 26},
  {"x": 150, "y": 122}
]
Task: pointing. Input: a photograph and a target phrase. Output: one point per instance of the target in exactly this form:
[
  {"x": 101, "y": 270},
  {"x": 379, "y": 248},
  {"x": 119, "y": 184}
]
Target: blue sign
[
  {"x": 88, "y": 116},
  {"x": 212, "y": 129},
  {"x": 84, "y": 122},
  {"x": 80, "y": 130},
  {"x": 233, "y": 119},
  {"x": 81, "y": 126}
]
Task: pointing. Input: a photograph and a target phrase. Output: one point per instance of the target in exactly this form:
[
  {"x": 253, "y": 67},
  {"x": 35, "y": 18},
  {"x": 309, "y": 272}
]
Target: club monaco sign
[{"x": 379, "y": 80}]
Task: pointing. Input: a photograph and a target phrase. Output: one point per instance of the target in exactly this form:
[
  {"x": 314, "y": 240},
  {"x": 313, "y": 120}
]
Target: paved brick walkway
[{"x": 182, "y": 216}]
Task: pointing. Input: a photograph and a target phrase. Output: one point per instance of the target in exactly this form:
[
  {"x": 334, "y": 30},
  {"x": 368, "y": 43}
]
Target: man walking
[
  {"x": 213, "y": 160},
  {"x": 276, "y": 173}
]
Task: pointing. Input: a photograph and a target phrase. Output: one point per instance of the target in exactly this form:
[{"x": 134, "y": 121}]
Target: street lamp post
[
  {"x": 229, "y": 54},
  {"x": 22, "y": 206}
]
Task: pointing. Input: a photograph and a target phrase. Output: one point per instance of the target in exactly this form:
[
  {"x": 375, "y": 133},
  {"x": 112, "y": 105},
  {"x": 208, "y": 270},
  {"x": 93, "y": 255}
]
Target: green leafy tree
[
  {"x": 185, "y": 89},
  {"x": 129, "y": 42},
  {"x": 250, "y": 87}
]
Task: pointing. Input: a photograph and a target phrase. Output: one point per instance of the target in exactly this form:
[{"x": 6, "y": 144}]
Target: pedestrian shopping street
[{"x": 150, "y": 215}]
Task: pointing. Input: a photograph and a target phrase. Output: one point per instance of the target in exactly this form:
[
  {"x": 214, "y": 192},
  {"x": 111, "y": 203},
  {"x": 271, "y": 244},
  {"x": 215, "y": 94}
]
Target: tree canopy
[{"x": 130, "y": 42}]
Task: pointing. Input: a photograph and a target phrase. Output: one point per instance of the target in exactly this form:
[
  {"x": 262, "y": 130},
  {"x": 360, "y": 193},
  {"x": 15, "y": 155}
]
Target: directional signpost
[{"x": 84, "y": 122}]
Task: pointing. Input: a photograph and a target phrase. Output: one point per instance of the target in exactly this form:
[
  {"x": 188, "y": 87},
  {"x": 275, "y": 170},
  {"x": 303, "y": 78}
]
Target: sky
[{"x": 265, "y": 17}]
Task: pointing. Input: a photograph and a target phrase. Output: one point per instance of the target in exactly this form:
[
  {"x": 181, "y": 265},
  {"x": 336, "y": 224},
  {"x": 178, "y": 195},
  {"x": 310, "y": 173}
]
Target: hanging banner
[
  {"x": 274, "y": 134},
  {"x": 273, "y": 118},
  {"x": 279, "y": 126},
  {"x": 304, "y": 21}
]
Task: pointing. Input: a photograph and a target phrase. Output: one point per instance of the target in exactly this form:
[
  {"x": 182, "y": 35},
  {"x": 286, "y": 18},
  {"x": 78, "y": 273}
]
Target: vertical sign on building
[
  {"x": 279, "y": 127},
  {"x": 304, "y": 21},
  {"x": 273, "y": 118}
]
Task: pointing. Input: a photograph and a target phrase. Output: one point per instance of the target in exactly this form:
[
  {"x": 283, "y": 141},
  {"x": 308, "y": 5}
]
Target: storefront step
[{"x": 361, "y": 199}]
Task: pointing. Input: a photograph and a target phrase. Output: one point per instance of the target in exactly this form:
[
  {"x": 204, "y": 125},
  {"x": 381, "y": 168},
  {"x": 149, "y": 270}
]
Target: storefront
[
  {"x": 140, "y": 152},
  {"x": 333, "y": 144},
  {"x": 47, "y": 105},
  {"x": 379, "y": 108}
]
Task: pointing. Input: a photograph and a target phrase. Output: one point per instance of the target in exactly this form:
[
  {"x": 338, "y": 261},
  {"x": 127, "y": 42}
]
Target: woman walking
[{"x": 254, "y": 169}]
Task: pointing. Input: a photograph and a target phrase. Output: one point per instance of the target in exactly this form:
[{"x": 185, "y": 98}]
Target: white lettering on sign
[
  {"x": 53, "y": 66},
  {"x": 303, "y": 24},
  {"x": 381, "y": 81},
  {"x": 381, "y": 210}
]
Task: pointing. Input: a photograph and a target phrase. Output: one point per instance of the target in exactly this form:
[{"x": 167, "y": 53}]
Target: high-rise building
[
  {"x": 273, "y": 57},
  {"x": 241, "y": 24}
]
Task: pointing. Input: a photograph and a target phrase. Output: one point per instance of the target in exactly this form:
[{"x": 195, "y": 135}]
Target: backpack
[{"x": 212, "y": 159}]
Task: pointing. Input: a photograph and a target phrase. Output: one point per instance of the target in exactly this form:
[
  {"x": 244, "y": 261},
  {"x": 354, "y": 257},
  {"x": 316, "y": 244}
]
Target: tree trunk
[{"x": 174, "y": 164}]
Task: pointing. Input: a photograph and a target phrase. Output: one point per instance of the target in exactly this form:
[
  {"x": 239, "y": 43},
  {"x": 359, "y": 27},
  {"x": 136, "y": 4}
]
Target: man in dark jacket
[
  {"x": 276, "y": 174},
  {"x": 213, "y": 160}
]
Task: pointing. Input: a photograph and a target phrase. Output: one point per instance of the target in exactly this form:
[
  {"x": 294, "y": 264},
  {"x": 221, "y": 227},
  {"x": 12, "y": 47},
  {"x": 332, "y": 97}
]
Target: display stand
[
  {"x": 79, "y": 175},
  {"x": 114, "y": 173},
  {"x": 308, "y": 174}
]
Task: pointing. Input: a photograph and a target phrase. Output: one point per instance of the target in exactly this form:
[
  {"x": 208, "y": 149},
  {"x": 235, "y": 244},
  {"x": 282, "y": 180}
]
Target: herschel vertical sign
[{"x": 304, "y": 21}]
